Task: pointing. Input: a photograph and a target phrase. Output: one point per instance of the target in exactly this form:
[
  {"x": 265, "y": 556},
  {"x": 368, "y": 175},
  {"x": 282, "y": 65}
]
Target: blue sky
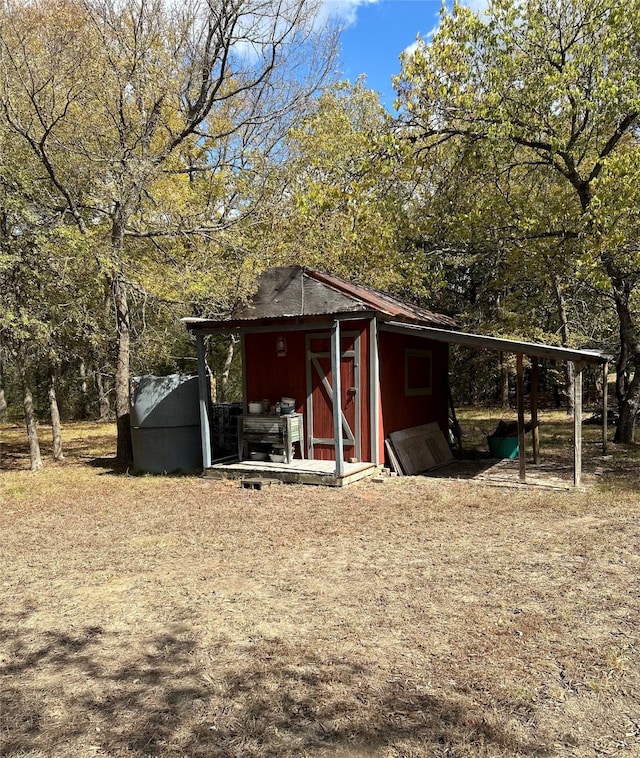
[{"x": 376, "y": 33}]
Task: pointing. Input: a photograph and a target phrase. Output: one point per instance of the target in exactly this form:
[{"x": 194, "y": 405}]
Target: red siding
[
  {"x": 322, "y": 405},
  {"x": 322, "y": 415},
  {"x": 366, "y": 400},
  {"x": 397, "y": 410},
  {"x": 272, "y": 377},
  {"x": 362, "y": 327}
]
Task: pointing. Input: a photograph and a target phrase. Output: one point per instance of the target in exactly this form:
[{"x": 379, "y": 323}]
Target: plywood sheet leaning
[
  {"x": 421, "y": 448},
  {"x": 393, "y": 458}
]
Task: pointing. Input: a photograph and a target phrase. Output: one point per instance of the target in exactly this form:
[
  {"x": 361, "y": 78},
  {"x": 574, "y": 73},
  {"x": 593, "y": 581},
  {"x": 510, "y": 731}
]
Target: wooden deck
[
  {"x": 296, "y": 472},
  {"x": 553, "y": 474}
]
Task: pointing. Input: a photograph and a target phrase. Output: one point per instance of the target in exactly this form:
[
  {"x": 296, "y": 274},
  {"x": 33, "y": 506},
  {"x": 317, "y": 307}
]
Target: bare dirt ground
[{"x": 176, "y": 616}]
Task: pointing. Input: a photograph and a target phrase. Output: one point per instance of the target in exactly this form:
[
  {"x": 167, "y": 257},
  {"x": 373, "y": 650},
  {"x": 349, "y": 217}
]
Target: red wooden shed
[
  {"x": 387, "y": 380},
  {"x": 358, "y": 363}
]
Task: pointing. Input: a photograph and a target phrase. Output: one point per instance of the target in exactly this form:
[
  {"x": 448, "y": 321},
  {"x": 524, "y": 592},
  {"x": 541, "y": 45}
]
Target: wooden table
[{"x": 262, "y": 428}]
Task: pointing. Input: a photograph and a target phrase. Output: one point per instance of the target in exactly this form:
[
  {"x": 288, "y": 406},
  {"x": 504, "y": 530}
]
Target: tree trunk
[
  {"x": 214, "y": 385},
  {"x": 569, "y": 372},
  {"x": 622, "y": 375},
  {"x": 83, "y": 405},
  {"x": 104, "y": 406},
  {"x": 227, "y": 368},
  {"x": 124, "y": 447},
  {"x": 29, "y": 415},
  {"x": 3, "y": 400},
  {"x": 625, "y": 430},
  {"x": 56, "y": 427},
  {"x": 119, "y": 294},
  {"x": 628, "y": 393},
  {"x": 504, "y": 381},
  {"x": 213, "y": 377}
]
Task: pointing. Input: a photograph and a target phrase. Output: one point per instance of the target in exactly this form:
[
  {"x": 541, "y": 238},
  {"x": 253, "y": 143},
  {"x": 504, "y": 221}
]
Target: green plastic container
[{"x": 503, "y": 447}]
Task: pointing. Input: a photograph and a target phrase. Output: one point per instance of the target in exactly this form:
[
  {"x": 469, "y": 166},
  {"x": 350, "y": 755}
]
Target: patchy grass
[
  {"x": 85, "y": 443},
  {"x": 175, "y": 616}
]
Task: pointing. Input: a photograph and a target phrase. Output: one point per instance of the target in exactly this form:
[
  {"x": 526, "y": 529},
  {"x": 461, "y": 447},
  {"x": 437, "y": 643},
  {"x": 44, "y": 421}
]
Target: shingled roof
[{"x": 295, "y": 292}]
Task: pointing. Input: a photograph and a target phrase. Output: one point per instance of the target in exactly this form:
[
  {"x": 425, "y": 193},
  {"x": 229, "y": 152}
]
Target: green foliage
[
  {"x": 528, "y": 112},
  {"x": 148, "y": 130},
  {"x": 506, "y": 191},
  {"x": 346, "y": 192}
]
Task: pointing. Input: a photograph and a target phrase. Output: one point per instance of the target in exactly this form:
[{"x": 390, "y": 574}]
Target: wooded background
[{"x": 155, "y": 158}]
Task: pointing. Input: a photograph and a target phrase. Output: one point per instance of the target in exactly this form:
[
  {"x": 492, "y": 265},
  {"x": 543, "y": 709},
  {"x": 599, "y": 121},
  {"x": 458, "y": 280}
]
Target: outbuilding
[{"x": 355, "y": 364}]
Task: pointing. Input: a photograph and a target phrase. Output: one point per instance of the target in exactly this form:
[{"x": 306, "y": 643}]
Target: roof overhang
[
  {"x": 484, "y": 342},
  {"x": 283, "y": 323},
  {"x": 204, "y": 326}
]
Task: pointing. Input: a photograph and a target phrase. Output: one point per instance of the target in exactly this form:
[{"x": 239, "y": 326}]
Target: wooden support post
[
  {"x": 535, "y": 430},
  {"x": 605, "y": 405},
  {"x": 308, "y": 418},
  {"x": 577, "y": 424},
  {"x": 377, "y": 456},
  {"x": 521, "y": 433},
  {"x": 243, "y": 353},
  {"x": 337, "y": 396},
  {"x": 452, "y": 408},
  {"x": 203, "y": 397}
]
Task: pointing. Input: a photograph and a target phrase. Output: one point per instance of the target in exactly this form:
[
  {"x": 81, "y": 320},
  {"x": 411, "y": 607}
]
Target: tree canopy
[
  {"x": 548, "y": 92},
  {"x": 156, "y": 156},
  {"x": 147, "y": 118}
]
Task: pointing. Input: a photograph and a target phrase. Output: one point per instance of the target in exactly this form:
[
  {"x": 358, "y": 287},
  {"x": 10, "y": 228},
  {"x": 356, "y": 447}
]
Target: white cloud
[
  {"x": 410, "y": 49},
  {"x": 476, "y": 5},
  {"x": 344, "y": 11}
]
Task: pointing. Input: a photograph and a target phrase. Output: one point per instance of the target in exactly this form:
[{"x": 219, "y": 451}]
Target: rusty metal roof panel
[
  {"x": 294, "y": 292},
  {"x": 374, "y": 299}
]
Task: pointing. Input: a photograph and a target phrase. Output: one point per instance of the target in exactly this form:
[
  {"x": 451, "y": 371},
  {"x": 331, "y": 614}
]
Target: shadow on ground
[
  {"x": 77, "y": 449},
  {"x": 12, "y": 460},
  {"x": 66, "y": 693},
  {"x": 109, "y": 465}
]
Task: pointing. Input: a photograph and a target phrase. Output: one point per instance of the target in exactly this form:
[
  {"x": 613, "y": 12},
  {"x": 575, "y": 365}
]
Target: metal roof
[
  {"x": 295, "y": 295},
  {"x": 296, "y": 292},
  {"x": 482, "y": 341},
  {"x": 384, "y": 302}
]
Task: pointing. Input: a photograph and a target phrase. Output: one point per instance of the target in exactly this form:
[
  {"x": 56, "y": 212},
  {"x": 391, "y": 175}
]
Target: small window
[{"x": 417, "y": 372}]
